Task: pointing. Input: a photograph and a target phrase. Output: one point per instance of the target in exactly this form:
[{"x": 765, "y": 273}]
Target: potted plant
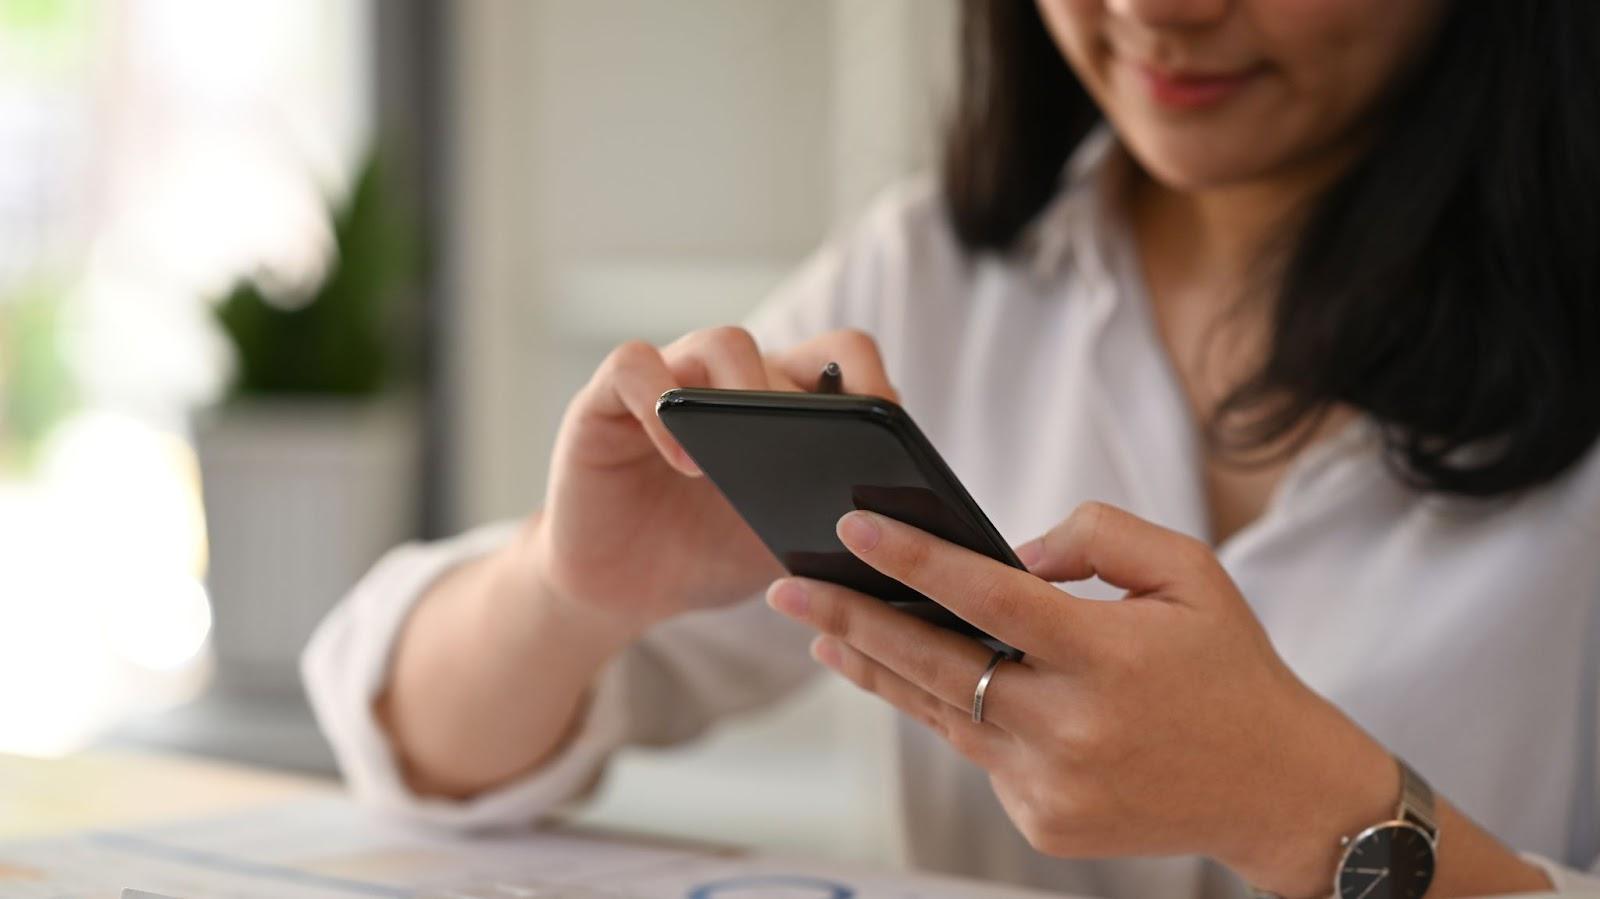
[{"x": 310, "y": 466}]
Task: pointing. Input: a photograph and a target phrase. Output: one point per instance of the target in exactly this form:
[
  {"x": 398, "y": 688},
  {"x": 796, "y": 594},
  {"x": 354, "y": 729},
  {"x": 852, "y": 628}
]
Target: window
[{"x": 157, "y": 150}]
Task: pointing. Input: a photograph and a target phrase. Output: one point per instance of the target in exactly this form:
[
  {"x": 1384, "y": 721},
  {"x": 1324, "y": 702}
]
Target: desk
[
  {"x": 44, "y": 797},
  {"x": 101, "y": 821}
]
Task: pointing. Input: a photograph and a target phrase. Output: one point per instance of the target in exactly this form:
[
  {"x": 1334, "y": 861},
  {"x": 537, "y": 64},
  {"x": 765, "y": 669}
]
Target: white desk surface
[
  {"x": 89, "y": 825},
  {"x": 44, "y": 797}
]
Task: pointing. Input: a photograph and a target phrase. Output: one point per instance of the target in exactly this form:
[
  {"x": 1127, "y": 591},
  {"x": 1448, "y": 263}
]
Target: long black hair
[{"x": 1447, "y": 283}]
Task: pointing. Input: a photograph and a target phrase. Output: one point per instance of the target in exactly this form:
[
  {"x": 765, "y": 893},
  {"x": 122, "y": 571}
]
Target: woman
[{"x": 1312, "y": 319}]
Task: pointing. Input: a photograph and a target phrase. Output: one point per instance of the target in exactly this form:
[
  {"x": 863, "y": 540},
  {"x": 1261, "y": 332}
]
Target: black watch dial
[{"x": 1390, "y": 861}]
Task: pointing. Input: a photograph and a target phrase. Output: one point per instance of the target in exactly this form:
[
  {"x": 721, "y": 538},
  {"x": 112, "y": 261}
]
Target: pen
[{"x": 831, "y": 378}]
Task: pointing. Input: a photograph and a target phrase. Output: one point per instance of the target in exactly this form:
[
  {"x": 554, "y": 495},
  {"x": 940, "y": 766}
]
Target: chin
[{"x": 1193, "y": 162}]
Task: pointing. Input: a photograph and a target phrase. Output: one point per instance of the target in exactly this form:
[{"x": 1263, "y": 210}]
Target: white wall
[{"x": 634, "y": 168}]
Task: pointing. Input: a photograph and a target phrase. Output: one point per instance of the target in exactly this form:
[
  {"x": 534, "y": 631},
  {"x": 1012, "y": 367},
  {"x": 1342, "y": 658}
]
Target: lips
[{"x": 1193, "y": 89}]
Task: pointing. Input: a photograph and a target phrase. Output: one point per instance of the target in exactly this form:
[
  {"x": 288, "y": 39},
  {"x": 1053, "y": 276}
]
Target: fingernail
[
  {"x": 826, "y": 651},
  {"x": 1031, "y": 552},
  {"x": 859, "y": 531},
  {"x": 788, "y": 597}
]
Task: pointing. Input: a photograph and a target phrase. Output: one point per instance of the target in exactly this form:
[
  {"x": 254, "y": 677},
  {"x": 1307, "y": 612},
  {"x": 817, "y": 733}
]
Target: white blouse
[{"x": 1465, "y": 637}]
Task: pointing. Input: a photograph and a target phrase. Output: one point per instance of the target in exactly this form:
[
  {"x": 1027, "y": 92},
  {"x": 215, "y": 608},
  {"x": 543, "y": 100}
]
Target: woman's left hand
[{"x": 1164, "y": 723}]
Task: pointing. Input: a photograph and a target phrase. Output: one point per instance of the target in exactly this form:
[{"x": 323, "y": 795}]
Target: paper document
[{"x": 328, "y": 848}]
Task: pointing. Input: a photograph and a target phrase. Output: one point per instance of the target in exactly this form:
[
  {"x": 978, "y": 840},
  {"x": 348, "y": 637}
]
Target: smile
[{"x": 1194, "y": 90}]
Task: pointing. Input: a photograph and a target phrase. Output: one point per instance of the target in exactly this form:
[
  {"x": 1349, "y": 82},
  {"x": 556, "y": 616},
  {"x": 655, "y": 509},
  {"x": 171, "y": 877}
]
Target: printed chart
[{"x": 327, "y": 848}]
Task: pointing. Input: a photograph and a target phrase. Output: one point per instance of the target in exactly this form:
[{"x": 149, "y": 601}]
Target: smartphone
[{"x": 791, "y": 464}]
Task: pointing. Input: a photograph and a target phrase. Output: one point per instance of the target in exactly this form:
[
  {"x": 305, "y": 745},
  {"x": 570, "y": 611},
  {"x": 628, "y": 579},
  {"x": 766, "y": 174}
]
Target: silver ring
[{"x": 983, "y": 687}]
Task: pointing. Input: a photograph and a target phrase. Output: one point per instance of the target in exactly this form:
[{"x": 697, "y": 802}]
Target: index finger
[
  {"x": 1008, "y": 603},
  {"x": 626, "y": 384}
]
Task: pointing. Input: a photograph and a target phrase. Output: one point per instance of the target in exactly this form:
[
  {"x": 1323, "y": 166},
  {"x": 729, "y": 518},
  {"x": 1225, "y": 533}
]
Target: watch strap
[{"x": 1416, "y": 800}]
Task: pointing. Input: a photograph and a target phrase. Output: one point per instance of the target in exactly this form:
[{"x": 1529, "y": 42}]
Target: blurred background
[{"x": 286, "y": 282}]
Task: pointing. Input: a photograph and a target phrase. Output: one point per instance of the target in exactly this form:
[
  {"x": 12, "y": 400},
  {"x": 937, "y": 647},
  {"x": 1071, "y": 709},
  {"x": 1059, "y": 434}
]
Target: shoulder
[
  {"x": 1579, "y": 488},
  {"x": 900, "y": 249},
  {"x": 899, "y": 272},
  {"x": 909, "y": 215},
  {"x": 902, "y": 242}
]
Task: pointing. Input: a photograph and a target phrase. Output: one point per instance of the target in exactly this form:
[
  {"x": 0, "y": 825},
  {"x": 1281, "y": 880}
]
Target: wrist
[
  {"x": 1337, "y": 781},
  {"x": 524, "y": 604}
]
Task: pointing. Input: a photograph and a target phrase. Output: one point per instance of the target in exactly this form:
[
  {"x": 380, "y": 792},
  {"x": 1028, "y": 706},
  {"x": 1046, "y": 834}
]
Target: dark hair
[{"x": 1447, "y": 283}]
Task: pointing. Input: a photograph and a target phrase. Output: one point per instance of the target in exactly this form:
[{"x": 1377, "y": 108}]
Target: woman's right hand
[
  {"x": 630, "y": 527},
  {"x": 491, "y": 670}
]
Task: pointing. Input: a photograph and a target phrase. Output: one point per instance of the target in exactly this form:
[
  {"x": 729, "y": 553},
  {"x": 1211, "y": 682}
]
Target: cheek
[
  {"x": 1074, "y": 26},
  {"x": 1338, "y": 55},
  {"x": 1329, "y": 62}
]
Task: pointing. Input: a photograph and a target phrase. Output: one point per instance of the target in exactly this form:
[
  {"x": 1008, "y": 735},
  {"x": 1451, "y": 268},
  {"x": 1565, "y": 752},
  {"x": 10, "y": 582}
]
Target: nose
[{"x": 1171, "y": 13}]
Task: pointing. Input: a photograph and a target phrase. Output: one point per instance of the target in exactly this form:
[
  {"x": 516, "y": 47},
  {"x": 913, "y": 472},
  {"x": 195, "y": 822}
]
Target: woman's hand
[
  {"x": 1163, "y": 723},
  {"x": 629, "y": 528},
  {"x": 494, "y": 663}
]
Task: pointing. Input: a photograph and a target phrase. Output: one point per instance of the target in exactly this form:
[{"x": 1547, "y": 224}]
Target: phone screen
[{"x": 792, "y": 464}]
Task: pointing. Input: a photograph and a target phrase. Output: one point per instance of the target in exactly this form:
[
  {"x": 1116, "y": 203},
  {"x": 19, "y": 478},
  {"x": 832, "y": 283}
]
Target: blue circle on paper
[{"x": 735, "y": 886}]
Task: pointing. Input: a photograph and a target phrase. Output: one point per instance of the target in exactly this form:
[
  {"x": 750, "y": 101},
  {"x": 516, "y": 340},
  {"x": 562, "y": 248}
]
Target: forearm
[
  {"x": 490, "y": 675},
  {"x": 1361, "y": 787},
  {"x": 1471, "y": 862}
]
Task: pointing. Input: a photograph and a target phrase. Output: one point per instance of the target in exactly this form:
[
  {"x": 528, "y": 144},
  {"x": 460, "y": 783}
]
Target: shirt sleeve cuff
[
  {"x": 1564, "y": 880},
  {"x": 346, "y": 665}
]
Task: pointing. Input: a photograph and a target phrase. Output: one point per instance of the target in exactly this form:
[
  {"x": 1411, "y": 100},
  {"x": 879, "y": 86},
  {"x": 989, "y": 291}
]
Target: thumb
[{"x": 1120, "y": 548}]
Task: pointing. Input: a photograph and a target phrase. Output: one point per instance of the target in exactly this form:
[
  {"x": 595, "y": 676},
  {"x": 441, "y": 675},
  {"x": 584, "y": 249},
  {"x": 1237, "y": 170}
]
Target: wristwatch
[{"x": 1391, "y": 859}]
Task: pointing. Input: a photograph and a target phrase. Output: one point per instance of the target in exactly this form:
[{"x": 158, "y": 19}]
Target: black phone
[{"x": 791, "y": 464}]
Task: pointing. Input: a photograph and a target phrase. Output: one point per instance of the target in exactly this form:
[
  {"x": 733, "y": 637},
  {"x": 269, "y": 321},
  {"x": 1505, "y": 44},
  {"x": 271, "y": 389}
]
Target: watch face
[{"x": 1390, "y": 861}]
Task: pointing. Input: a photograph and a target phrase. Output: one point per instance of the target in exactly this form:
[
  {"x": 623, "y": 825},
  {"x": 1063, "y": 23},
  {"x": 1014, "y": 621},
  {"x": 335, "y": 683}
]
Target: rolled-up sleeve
[
  {"x": 1566, "y": 881},
  {"x": 666, "y": 688}
]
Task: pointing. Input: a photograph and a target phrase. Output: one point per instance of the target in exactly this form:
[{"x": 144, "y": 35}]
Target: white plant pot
[{"x": 301, "y": 497}]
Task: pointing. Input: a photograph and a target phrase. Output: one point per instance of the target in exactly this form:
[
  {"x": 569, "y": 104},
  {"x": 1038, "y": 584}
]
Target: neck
[
  {"x": 1202, "y": 252},
  {"x": 1218, "y": 235}
]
